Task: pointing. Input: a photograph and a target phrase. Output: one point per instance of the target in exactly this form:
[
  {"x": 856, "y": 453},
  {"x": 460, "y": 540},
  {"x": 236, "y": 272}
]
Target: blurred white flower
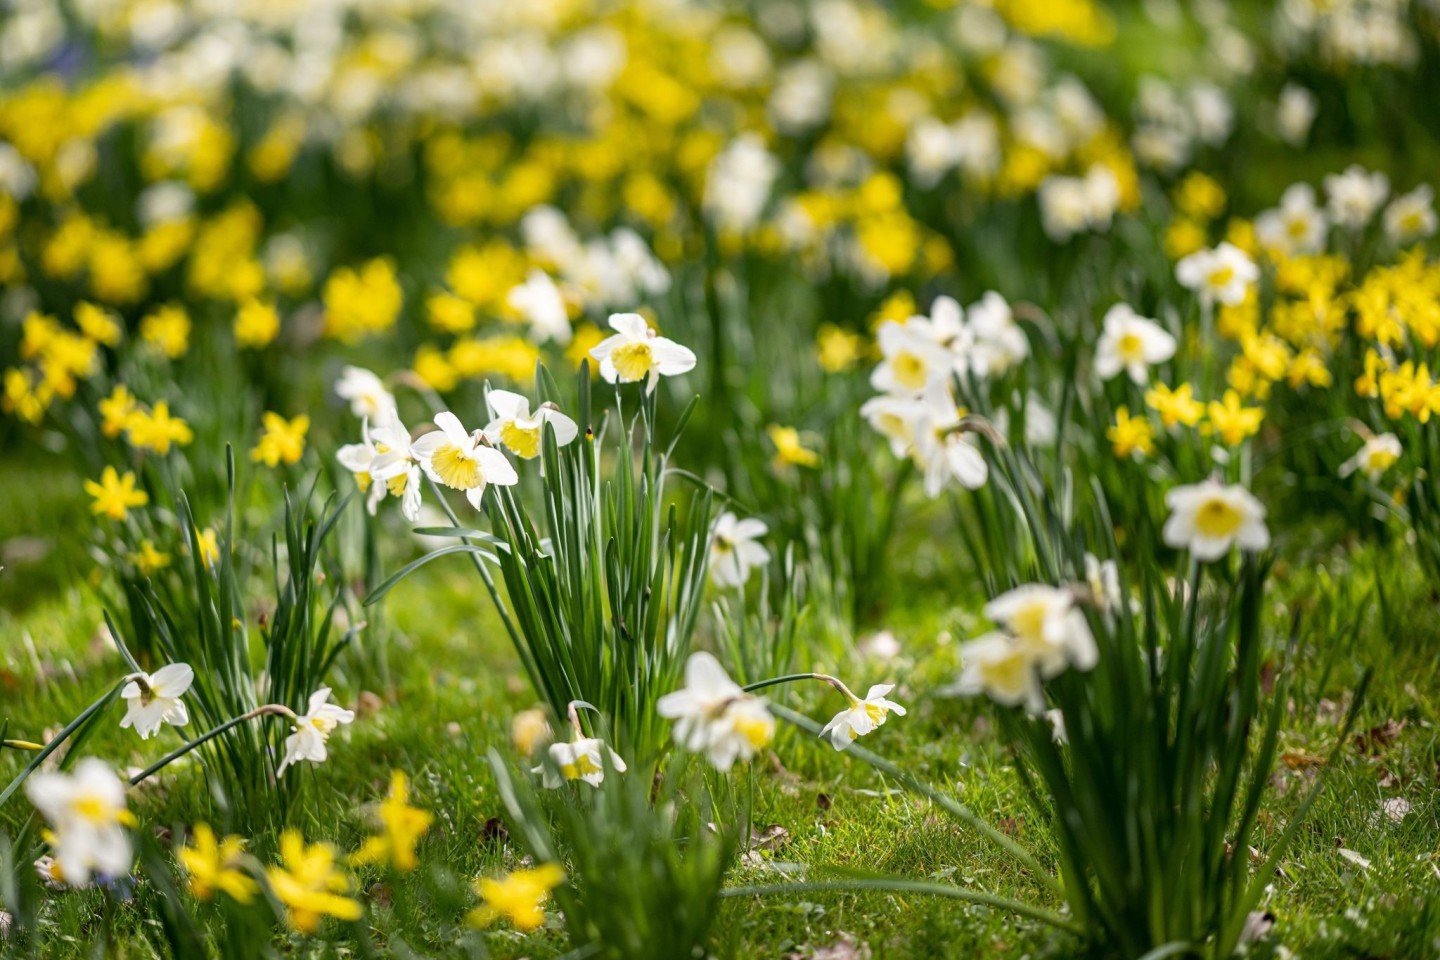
[
  {"x": 735, "y": 549},
  {"x": 1375, "y": 457},
  {"x": 636, "y": 353},
  {"x": 1222, "y": 275},
  {"x": 513, "y": 425},
  {"x": 862, "y": 716},
  {"x": 942, "y": 450},
  {"x": 313, "y": 729},
  {"x": 581, "y": 759},
  {"x": 714, "y": 716},
  {"x": 1209, "y": 518},
  {"x": 999, "y": 342},
  {"x": 1048, "y": 625},
  {"x": 86, "y": 812},
  {"x": 365, "y": 391},
  {"x": 461, "y": 460},
  {"x": 539, "y": 301},
  {"x": 1002, "y": 670},
  {"x": 737, "y": 185},
  {"x": 910, "y": 359},
  {"x": 1131, "y": 343},
  {"x": 153, "y": 699},
  {"x": 1298, "y": 225},
  {"x": 382, "y": 464},
  {"x": 1411, "y": 216},
  {"x": 1294, "y": 113},
  {"x": 1353, "y": 197}
]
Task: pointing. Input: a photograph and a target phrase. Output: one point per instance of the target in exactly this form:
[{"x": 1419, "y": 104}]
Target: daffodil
[
  {"x": 382, "y": 464},
  {"x": 1130, "y": 436},
  {"x": 943, "y": 448},
  {"x": 542, "y": 305},
  {"x": 257, "y": 323},
  {"x": 584, "y": 758},
  {"x": 309, "y": 884},
  {"x": 911, "y": 360},
  {"x": 1046, "y": 622},
  {"x": 156, "y": 430},
  {"x": 530, "y": 730},
  {"x": 116, "y": 411},
  {"x": 735, "y": 549},
  {"x": 313, "y": 729},
  {"x": 1175, "y": 407},
  {"x": 217, "y": 866},
  {"x": 281, "y": 440},
  {"x": 1411, "y": 217},
  {"x": 999, "y": 342},
  {"x": 149, "y": 558},
  {"x": 1003, "y": 670},
  {"x": 1222, "y": 275},
  {"x": 1353, "y": 197},
  {"x": 1375, "y": 457},
  {"x": 115, "y": 494},
  {"x": 1209, "y": 518},
  {"x": 862, "y": 716},
  {"x": 461, "y": 460},
  {"x": 519, "y": 896},
  {"x": 714, "y": 716},
  {"x": 1131, "y": 343},
  {"x": 790, "y": 450},
  {"x": 98, "y": 324},
  {"x": 153, "y": 699},
  {"x": 168, "y": 329},
  {"x": 518, "y": 430},
  {"x": 402, "y": 826},
  {"x": 1296, "y": 227},
  {"x": 365, "y": 393},
  {"x": 86, "y": 812},
  {"x": 209, "y": 546},
  {"x": 1232, "y": 420},
  {"x": 636, "y": 353}
]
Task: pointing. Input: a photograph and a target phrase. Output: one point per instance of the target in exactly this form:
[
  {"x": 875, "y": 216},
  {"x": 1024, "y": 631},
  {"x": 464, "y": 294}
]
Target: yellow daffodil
[
  {"x": 1177, "y": 406},
  {"x": 168, "y": 329},
  {"x": 98, "y": 324},
  {"x": 209, "y": 546},
  {"x": 148, "y": 559},
  {"x": 157, "y": 430},
  {"x": 116, "y": 411},
  {"x": 114, "y": 494},
  {"x": 216, "y": 866},
  {"x": 789, "y": 451},
  {"x": 403, "y": 826},
  {"x": 1131, "y": 435},
  {"x": 1232, "y": 421},
  {"x": 281, "y": 440},
  {"x": 518, "y": 896},
  {"x": 838, "y": 350},
  {"x": 256, "y": 324},
  {"x": 308, "y": 883}
]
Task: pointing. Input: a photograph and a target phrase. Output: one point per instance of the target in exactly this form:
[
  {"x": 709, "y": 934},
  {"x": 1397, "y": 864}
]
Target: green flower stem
[
  {"x": 835, "y": 682},
  {"x": 927, "y": 887},
  {"x": 270, "y": 709},
  {"x": 952, "y": 806}
]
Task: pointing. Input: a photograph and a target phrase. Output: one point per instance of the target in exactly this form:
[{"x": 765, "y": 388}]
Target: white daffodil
[
  {"x": 365, "y": 391},
  {"x": 735, "y": 549},
  {"x": 1046, "y": 623},
  {"x": 1353, "y": 197},
  {"x": 520, "y": 431},
  {"x": 1222, "y": 275},
  {"x": 1297, "y": 226},
  {"x": 540, "y": 302},
  {"x": 635, "y": 353},
  {"x": 862, "y": 716},
  {"x": 1375, "y": 457},
  {"x": 714, "y": 716},
  {"x": 313, "y": 729},
  {"x": 461, "y": 460},
  {"x": 1001, "y": 669},
  {"x": 153, "y": 699},
  {"x": 582, "y": 759},
  {"x": 942, "y": 450},
  {"x": 1209, "y": 518},
  {"x": 1131, "y": 343},
  {"x": 86, "y": 812},
  {"x": 894, "y": 418},
  {"x": 946, "y": 327},
  {"x": 1103, "y": 579},
  {"x": 999, "y": 342},
  {"x": 911, "y": 359},
  {"x": 382, "y": 464},
  {"x": 1411, "y": 217}
]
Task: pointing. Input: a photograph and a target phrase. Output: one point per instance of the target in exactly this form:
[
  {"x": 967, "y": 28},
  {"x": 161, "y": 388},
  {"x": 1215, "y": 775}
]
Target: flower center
[
  {"x": 525, "y": 441},
  {"x": 632, "y": 360},
  {"x": 396, "y": 484},
  {"x": 1221, "y": 276},
  {"x": 581, "y": 766},
  {"x": 1130, "y": 347},
  {"x": 1217, "y": 518},
  {"x": 755, "y": 731},
  {"x": 909, "y": 371},
  {"x": 456, "y": 468}
]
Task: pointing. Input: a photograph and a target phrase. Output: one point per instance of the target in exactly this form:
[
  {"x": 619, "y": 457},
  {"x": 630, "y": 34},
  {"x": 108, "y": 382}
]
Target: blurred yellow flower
[
  {"x": 519, "y": 896},
  {"x": 789, "y": 451},
  {"x": 1130, "y": 435},
  {"x": 98, "y": 324},
  {"x": 209, "y": 546},
  {"x": 1232, "y": 421},
  {"x": 1177, "y": 406},
  {"x": 1200, "y": 196},
  {"x": 168, "y": 328},
  {"x": 114, "y": 495},
  {"x": 156, "y": 430},
  {"x": 362, "y": 302},
  {"x": 838, "y": 350},
  {"x": 281, "y": 440},
  {"x": 148, "y": 559},
  {"x": 116, "y": 411},
  {"x": 256, "y": 324},
  {"x": 215, "y": 865},
  {"x": 403, "y": 825},
  {"x": 308, "y": 883}
]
